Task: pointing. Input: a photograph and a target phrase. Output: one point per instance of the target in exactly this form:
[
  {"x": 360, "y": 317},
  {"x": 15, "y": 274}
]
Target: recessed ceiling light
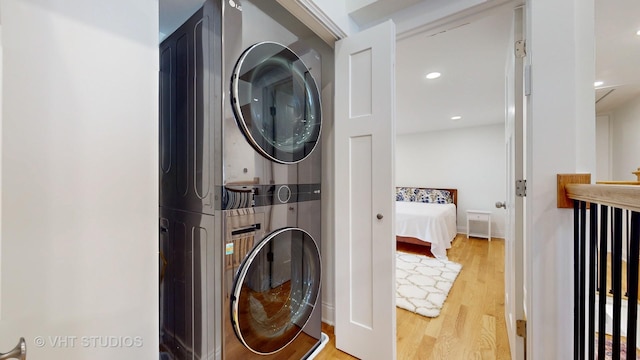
[
  {"x": 457, "y": 117},
  {"x": 433, "y": 75},
  {"x": 638, "y": 32},
  {"x": 598, "y": 83}
]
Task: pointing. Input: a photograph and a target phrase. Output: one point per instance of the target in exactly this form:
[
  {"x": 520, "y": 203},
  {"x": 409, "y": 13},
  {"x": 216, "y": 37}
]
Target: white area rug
[{"x": 423, "y": 283}]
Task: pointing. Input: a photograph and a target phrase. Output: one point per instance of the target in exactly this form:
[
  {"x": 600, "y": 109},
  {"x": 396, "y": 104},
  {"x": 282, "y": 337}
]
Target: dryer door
[
  {"x": 276, "y": 102},
  {"x": 275, "y": 290}
]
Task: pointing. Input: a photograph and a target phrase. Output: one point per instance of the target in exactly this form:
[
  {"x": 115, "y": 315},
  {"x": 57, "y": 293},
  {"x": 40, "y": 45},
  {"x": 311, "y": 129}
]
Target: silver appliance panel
[{"x": 247, "y": 196}]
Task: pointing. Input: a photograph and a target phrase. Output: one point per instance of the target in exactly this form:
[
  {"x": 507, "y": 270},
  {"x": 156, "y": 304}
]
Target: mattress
[{"x": 432, "y": 223}]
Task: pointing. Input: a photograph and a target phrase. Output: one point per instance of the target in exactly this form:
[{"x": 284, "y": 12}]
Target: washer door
[
  {"x": 275, "y": 290},
  {"x": 276, "y": 102}
]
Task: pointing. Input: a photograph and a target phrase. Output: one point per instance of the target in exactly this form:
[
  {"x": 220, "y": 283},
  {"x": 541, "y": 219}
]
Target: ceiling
[
  {"x": 471, "y": 58},
  {"x": 467, "y": 41},
  {"x": 617, "y": 53}
]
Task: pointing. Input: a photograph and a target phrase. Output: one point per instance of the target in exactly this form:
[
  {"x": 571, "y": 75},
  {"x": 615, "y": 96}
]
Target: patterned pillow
[
  {"x": 402, "y": 194},
  {"x": 424, "y": 195},
  {"x": 432, "y": 196},
  {"x": 443, "y": 196}
]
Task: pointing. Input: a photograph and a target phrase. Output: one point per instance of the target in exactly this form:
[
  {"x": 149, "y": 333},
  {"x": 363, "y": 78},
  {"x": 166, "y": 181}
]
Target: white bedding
[{"x": 433, "y": 223}]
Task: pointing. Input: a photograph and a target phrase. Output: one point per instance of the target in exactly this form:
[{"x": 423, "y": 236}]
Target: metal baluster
[
  {"x": 576, "y": 280},
  {"x": 593, "y": 239},
  {"x": 632, "y": 301},
  {"x": 597, "y": 248},
  {"x": 602, "y": 295},
  {"x": 583, "y": 275},
  {"x": 627, "y": 217},
  {"x": 617, "y": 281}
]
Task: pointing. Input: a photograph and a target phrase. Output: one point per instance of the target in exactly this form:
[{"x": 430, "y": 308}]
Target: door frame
[{"x": 515, "y": 286}]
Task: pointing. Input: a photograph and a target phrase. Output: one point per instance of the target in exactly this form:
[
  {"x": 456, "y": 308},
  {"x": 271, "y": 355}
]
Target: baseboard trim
[
  {"x": 498, "y": 233},
  {"x": 328, "y": 313}
]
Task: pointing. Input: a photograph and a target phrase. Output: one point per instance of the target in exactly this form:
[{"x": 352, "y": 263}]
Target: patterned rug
[
  {"x": 423, "y": 283},
  {"x": 608, "y": 349}
]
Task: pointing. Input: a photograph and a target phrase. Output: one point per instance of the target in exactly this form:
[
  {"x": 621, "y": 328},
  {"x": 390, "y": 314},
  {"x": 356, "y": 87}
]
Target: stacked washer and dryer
[{"x": 240, "y": 173}]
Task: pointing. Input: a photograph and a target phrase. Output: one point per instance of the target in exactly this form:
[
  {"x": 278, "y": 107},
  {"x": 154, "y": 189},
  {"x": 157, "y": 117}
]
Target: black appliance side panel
[
  {"x": 189, "y": 275},
  {"x": 187, "y": 113},
  {"x": 187, "y": 313}
]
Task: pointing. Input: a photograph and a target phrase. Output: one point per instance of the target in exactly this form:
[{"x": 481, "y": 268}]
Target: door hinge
[
  {"x": 521, "y": 188},
  {"x": 520, "y": 48},
  {"x": 521, "y": 328}
]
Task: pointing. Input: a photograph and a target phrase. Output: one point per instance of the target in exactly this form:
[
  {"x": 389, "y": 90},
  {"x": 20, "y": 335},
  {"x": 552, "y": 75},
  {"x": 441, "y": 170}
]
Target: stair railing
[{"x": 604, "y": 242}]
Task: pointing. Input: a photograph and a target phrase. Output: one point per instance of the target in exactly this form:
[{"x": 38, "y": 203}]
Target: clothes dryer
[{"x": 272, "y": 114}]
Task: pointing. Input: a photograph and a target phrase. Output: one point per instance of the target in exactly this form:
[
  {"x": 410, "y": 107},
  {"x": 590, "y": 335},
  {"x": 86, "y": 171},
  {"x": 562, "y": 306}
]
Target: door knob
[
  {"x": 19, "y": 352},
  {"x": 500, "y": 204},
  {"x": 379, "y": 216}
]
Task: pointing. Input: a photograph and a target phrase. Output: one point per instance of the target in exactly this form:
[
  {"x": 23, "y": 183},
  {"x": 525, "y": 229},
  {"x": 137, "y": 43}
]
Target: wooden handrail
[
  {"x": 620, "y": 196},
  {"x": 637, "y": 182}
]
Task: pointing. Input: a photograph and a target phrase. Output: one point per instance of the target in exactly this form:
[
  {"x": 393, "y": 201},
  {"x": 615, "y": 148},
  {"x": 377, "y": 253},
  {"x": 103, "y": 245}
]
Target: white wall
[
  {"x": 561, "y": 138},
  {"x": 471, "y": 160},
  {"x": 603, "y": 149},
  {"x": 80, "y": 178},
  {"x": 328, "y": 187},
  {"x": 625, "y": 140}
]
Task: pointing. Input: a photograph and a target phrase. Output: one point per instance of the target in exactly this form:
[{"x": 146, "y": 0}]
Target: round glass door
[
  {"x": 276, "y": 103},
  {"x": 275, "y": 290}
]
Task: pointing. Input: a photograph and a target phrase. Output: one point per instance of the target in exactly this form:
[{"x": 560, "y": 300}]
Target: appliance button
[{"x": 284, "y": 194}]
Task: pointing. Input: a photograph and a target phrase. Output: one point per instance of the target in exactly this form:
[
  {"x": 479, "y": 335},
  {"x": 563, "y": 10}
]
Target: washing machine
[
  {"x": 270, "y": 183},
  {"x": 272, "y": 278}
]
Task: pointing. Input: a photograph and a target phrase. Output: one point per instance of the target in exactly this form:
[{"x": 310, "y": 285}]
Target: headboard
[{"x": 427, "y": 195}]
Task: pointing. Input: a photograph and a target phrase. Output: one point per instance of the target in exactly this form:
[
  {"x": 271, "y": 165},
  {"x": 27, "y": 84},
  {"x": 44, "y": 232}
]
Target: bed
[{"x": 427, "y": 217}]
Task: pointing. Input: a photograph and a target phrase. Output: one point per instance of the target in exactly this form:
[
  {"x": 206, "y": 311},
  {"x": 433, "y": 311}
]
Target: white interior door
[
  {"x": 514, "y": 205},
  {"x": 364, "y": 197}
]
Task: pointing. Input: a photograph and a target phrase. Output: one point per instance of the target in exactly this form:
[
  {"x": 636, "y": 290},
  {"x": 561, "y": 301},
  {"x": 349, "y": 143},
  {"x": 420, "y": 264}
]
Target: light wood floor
[{"x": 471, "y": 324}]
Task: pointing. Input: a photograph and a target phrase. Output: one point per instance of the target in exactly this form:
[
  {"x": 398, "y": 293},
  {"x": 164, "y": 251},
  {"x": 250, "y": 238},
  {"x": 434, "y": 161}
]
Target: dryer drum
[
  {"x": 276, "y": 290},
  {"x": 276, "y": 102}
]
